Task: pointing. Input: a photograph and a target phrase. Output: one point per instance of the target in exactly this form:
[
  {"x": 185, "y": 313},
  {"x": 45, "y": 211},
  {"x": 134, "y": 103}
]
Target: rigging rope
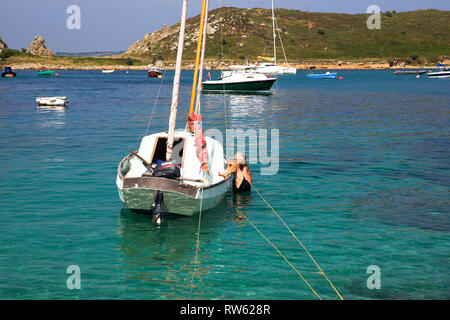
[
  {"x": 223, "y": 85},
  {"x": 281, "y": 41},
  {"x": 303, "y": 246},
  {"x": 154, "y": 105}
]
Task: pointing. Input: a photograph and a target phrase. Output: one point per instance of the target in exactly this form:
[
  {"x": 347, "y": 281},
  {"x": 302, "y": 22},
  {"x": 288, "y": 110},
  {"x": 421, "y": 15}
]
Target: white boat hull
[
  {"x": 439, "y": 74},
  {"x": 142, "y": 199},
  {"x": 193, "y": 191},
  {"x": 276, "y": 70}
]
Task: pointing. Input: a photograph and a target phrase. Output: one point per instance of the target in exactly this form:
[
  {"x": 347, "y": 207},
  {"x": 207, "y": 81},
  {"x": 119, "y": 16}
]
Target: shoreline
[{"x": 298, "y": 66}]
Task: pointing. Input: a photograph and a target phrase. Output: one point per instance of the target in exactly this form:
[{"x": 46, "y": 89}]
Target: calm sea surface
[{"x": 363, "y": 180}]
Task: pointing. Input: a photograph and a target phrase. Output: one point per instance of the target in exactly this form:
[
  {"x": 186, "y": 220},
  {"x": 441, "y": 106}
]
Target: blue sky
[{"x": 111, "y": 25}]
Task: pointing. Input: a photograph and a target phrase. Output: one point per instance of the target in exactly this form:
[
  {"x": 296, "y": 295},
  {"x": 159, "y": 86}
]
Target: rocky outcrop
[
  {"x": 3, "y": 44},
  {"x": 151, "y": 39},
  {"x": 37, "y": 47}
]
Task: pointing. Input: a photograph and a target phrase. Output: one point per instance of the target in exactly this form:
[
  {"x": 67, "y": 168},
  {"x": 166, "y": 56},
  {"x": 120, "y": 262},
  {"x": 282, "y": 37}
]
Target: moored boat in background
[
  {"x": 60, "y": 101},
  {"x": 327, "y": 75},
  {"x": 240, "y": 78},
  {"x": 154, "y": 73},
  {"x": 443, "y": 72},
  {"x": 407, "y": 72},
  {"x": 8, "y": 72},
  {"x": 108, "y": 71},
  {"x": 45, "y": 73}
]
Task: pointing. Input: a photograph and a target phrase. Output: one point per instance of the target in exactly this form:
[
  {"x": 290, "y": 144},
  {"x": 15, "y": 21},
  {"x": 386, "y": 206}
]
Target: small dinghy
[
  {"x": 108, "y": 71},
  {"x": 8, "y": 73},
  {"x": 406, "y": 72},
  {"x": 46, "y": 73},
  {"x": 443, "y": 72},
  {"x": 327, "y": 75},
  {"x": 154, "y": 73},
  {"x": 52, "y": 101}
]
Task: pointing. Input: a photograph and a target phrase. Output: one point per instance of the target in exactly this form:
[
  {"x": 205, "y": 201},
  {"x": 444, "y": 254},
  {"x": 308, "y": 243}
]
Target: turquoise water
[{"x": 363, "y": 180}]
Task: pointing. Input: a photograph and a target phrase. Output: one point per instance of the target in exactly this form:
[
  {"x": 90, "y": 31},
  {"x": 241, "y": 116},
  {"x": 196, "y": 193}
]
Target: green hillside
[{"x": 246, "y": 33}]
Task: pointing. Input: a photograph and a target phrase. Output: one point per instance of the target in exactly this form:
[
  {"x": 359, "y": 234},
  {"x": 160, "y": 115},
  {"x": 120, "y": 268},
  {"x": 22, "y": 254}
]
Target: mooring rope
[
  {"x": 198, "y": 239},
  {"x": 279, "y": 252},
  {"x": 303, "y": 246}
]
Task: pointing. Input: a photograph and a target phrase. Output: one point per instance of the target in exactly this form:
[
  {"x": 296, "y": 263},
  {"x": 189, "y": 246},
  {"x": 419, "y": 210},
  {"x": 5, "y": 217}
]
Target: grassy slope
[
  {"x": 246, "y": 33},
  {"x": 344, "y": 36}
]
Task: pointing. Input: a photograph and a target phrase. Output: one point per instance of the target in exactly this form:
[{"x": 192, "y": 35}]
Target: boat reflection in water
[
  {"x": 164, "y": 255},
  {"x": 52, "y": 117}
]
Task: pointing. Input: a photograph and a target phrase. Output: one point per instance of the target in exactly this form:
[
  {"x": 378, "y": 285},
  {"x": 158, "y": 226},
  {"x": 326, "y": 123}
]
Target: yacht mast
[
  {"x": 274, "y": 37},
  {"x": 197, "y": 58},
  {"x": 176, "y": 84},
  {"x": 202, "y": 61}
]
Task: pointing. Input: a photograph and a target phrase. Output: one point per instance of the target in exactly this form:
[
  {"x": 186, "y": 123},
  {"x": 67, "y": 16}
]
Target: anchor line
[
  {"x": 278, "y": 251},
  {"x": 198, "y": 239},
  {"x": 303, "y": 246}
]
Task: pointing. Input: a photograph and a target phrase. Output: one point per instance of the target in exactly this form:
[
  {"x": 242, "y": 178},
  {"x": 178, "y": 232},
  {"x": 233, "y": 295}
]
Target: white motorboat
[
  {"x": 443, "y": 72},
  {"x": 53, "y": 101},
  {"x": 240, "y": 78},
  {"x": 176, "y": 171},
  {"x": 108, "y": 71}
]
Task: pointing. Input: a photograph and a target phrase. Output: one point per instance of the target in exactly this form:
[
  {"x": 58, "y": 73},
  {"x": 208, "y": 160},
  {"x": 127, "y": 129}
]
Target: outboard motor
[
  {"x": 157, "y": 210},
  {"x": 168, "y": 170}
]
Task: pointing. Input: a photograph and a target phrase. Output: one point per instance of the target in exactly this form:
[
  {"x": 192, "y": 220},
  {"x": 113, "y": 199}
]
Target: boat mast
[
  {"x": 274, "y": 37},
  {"x": 202, "y": 61},
  {"x": 197, "y": 58},
  {"x": 176, "y": 84}
]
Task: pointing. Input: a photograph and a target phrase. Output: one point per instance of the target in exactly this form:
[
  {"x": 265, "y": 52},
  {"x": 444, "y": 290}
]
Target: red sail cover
[{"x": 194, "y": 122}]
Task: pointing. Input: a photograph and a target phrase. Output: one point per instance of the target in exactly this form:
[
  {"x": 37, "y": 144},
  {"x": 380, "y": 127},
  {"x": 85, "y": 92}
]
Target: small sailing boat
[
  {"x": 240, "y": 78},
  {"x": 327, "y": 75},
  {"x": 154, "y": 73},
  {"x": 443, "y": 72},
  {"x": 46, "y": 73},
  {"x": 268, "y": 65},
  {"x": 8, "y": 72},
  {"x": 176, "y": 171},
  {"x": 108, "y": 71}
]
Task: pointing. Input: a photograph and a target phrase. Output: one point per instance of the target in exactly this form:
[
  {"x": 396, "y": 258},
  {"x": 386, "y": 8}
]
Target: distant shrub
[
  {"x": 388, "y": 13},
  {"x": 321, "y": 32},
  {"x": 23, "y": 50},
  {"x": 414, "y": 57},
  {"x": 224, "y": 42},
  {"x": 6, "y": 53},
  {"x": 129, "y": 61}
]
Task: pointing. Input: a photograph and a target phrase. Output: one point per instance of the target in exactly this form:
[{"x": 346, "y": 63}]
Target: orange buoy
[{"x": 341, "y": 77}]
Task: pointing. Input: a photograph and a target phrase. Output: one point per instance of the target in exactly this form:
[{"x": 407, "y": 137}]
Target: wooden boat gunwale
[{"x": 159, "y": 183}]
